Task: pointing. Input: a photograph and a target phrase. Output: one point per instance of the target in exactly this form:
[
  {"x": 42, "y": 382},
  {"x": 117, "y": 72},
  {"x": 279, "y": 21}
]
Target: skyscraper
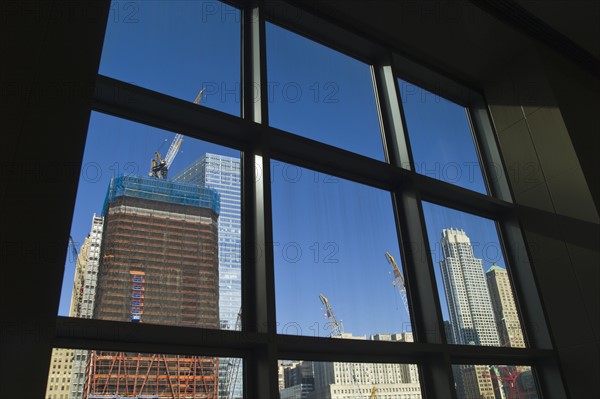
[
  {"x": 505, "y": 309},
  {"x": 67, "y": 366},
  {"x": 469, "y": 304},
  {"x": 158, "y": 264},
  {"x": 84, "y": 295},
  {"x": 59, "y": 374},
  {"x": 222, "y": 174},
  {"x": 472, "y": 320}
]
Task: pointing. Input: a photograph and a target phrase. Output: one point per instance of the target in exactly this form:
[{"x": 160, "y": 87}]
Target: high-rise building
[
  {"x": 472, "y": 320},
  {"x": 299, "y": 380},
  {"x": 84, "y": 295},
  {"x": 413, "y": 372},
  {"x": 59, "y": 375},
  {"x": 158, "y": 264},
  {"x": 505, "y": 308},
  {"x": 67, "y": 366},
  {"x": 337, "y": 380},
  {"x": 469, "y": 304},
  {"x": 222, "y": 174}
]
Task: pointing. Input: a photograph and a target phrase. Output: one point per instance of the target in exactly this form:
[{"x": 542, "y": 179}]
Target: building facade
[
  {"x": 59, "y": 375},
  {"x": 222, "y": 174},
  {"x": 158, "y": 264},
  {"x": 84, "y": 296},
  {"x": 469, "y": 305},
  {"x": 505, "y": 308},
  {"x": 344, "y": 380},
  {"x": 67, "y": 370},
  {"x": 472, "y": 320}
]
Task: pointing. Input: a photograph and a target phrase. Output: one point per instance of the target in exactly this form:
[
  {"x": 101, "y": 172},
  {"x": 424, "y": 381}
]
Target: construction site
[{"x": 158, "y": 264}]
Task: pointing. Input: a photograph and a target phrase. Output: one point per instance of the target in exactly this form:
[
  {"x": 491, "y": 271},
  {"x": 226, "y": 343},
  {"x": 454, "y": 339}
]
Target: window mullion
[
  {"x": 260, "y": 371},
  {"x": 425, "y": 309}
]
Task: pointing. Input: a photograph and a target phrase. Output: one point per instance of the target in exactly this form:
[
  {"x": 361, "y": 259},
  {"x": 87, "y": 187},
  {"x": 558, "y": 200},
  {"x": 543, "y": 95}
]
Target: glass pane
[
  {"x": 78, "y": 374},
  {"x": 337, "y": 263},
  {"x": 474, "y": 286},
  {"x": 176, "y": 48},
  {"x": 440, "y": 138},
  {"x": 150, "y": 246},
  {"x": 493, "y": 382},
  {"x": 333, "y": 380},
  {"x": 321, "y": 94}
]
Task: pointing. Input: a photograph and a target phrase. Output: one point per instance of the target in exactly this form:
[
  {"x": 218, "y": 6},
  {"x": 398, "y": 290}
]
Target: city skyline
[
  {"x": 336, "y": 104},
  {"x": 339, "y": 380}
]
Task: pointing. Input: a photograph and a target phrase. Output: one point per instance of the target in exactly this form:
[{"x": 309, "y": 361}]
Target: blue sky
[{"x": 330, "y": 235}]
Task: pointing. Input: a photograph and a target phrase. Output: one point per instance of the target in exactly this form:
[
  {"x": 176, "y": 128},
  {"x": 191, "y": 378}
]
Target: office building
[
  {"x": 471, "y": 316},
  {"x": 505, "y": 308},
  {"x": 59, "y": 375},
  {"x": 84, "y": 295},
  {"x": 67, "y": 371},
  {"x": 222, "y": 174},
  {"x": 337, "y": 380},
  {"x": 472, "y": 320}
]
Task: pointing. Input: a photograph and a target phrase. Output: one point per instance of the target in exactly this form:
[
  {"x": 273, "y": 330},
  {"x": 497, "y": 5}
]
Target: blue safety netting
[{"x": 155, "y": 189}]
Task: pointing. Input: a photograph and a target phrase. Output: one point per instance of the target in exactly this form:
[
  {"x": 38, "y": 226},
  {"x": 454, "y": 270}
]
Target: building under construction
[{"x": 158, "y": 264}]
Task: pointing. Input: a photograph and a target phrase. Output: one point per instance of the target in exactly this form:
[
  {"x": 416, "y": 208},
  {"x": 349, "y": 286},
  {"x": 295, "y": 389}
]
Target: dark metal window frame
[{"x": 258, "y": 342}]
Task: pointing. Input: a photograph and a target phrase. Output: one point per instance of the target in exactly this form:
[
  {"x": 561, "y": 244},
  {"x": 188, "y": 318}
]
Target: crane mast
[
  {"x": 160, "y": 166},
  {"x": 398, "y": 281},
  {"x": 336, "y": 327},
  {"x": 337, "y": 330}
]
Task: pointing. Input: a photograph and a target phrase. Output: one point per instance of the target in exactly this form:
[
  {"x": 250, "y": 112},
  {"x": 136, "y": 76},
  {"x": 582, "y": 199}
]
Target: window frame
[{"x": 258, "y": 343}]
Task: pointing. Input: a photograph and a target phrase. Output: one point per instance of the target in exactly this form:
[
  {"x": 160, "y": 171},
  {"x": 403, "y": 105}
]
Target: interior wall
[
  {"x": 558, "y": 214},
  {"x": 51, "y": 51}
]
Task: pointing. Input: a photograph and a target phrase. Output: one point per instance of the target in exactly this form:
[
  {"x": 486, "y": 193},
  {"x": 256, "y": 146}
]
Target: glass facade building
[{"x": 222, "y": 174}]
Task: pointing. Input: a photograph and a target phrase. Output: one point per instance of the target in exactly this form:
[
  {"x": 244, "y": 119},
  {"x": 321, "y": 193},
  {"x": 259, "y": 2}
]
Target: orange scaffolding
[{"x": 138, "y": 375}]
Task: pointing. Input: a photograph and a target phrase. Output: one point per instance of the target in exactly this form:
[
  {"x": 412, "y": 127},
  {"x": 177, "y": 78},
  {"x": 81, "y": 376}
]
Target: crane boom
[
  {"x": 336, "y": 331},
  {"x": 161, "y": 166},
  {"x": 398, "y": 281},
  {"x": 173, "y": 149},
  {"x": 336, "y": 326}
]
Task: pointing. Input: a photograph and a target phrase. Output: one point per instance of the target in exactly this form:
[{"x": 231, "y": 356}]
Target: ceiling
[{"x": 475, "y": 44}]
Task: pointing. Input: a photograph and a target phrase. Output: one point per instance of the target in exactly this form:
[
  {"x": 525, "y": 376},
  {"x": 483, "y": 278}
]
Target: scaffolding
[
  {"x": 158, "y": 265},
  {"x": 161, "y": 190},
  {"x": 136, "y": 375}
]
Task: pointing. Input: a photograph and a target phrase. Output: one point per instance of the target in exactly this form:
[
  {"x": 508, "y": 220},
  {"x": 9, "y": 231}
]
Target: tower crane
[
  {"x": 398, "y": 281},
  {"x": 337, "y": 329},
  {"x": 73, "y": 248},
  {"x": 373, "y": 393},
  {"x": 160, "y": 166}
]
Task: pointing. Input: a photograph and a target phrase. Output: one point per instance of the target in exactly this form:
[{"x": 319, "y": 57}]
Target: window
[
  {"x": 441, "y": 138},
  {"x": 322, "y": 230},
  {"x": 321, "y": 94}
]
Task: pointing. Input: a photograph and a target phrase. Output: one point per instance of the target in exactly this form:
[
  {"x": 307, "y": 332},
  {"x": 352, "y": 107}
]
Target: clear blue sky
[{"x": 314, "y": 92}]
